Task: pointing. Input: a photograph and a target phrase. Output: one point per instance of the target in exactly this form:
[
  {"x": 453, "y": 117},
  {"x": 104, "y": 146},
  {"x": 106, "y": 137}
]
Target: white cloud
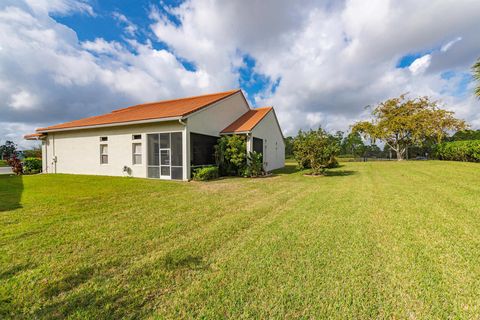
[
  {"x": 449, "y": 44},
  {"x": 333, "y": 57},
  {"x": 23, "y": 100},
  {"x": 60, "y": 6},
  {"x": 101, "y": 46},
  {"x": 314, "y": 119},
  {"x": 420, "y": 65},
  {"x": 129, "y": 27}
]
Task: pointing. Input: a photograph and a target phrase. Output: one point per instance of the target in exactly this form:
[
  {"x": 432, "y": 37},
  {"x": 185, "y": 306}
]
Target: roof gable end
[{"x": 247, "y": 121}]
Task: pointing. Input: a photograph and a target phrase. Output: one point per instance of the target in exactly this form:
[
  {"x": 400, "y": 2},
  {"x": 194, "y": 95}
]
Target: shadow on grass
[
  {"x": 291, "y": 168},
  {"x": 94, "y": 305},
  {"x": 11, "y": 189},
  {"x": 72, "y": 297},
  {"x": 340, "y": 173},
  {"x": 15, "y": 269},
  {"x": 288, "y": 169},
  {"x": 329, "y": 173},
  {"x": 68, "y": 283},
  {"x": 75, "y": 296},
  {"x": 176, "y": 260}
]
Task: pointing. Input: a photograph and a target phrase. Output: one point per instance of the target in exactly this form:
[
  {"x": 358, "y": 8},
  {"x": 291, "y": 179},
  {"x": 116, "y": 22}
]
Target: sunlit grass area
[{"x": 370, "y": 240}]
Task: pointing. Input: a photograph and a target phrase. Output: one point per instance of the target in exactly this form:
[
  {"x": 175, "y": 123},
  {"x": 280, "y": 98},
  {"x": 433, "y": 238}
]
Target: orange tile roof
[
  {"x": 33, "y": 136},
  {"x": 155, "y": 110},
  {"x": 247, "y": 121}
]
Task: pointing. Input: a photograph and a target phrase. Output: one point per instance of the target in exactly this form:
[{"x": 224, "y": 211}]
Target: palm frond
[{"x": 476, "y": 76}]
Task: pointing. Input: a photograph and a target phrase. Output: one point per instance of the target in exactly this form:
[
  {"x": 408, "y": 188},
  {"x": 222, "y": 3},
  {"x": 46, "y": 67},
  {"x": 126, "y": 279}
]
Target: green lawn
[
  {"x": 3, "y": 163},
  {"x": 371, "y": 240}
]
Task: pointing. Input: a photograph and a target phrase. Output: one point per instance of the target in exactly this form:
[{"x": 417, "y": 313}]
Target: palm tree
[{"x": 476, "y": 75}]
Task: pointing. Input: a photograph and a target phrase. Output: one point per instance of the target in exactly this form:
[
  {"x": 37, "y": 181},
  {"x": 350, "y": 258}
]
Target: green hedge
[
  {"x": 205, "y": 173},
  {"x": 3, "y": 163},
  {"x": 467, "y": 150},
  {"x": 32, "y": 165}
]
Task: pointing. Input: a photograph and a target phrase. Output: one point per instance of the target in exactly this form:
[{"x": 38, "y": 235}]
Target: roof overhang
[
  {"x": 235, "y": 132},
  {"x": 115, "y": 124},
  {"x": 34, "y": 136}
]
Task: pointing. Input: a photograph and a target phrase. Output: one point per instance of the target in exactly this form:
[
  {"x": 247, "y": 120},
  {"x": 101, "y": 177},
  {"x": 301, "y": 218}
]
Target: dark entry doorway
[{"x": 258, "y": 145}]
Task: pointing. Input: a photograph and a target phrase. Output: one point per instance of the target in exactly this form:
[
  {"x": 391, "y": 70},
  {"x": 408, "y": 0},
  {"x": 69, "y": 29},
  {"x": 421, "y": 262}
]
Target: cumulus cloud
[
  {"x": 23, "y": 100},
  {"x": 49, "y": 76},
  {"x": 129, "y": 27},
  {"x": 420, "y": 65},
  {"x": 332, "y": 58},
  {"x": 58, "y": 6},
  {"x": 322, "y": 61}
]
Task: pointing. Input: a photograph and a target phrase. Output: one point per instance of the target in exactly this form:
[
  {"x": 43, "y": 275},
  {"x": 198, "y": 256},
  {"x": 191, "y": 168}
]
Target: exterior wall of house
[
  {"x": 215, "y": 118},
  {"x": 273, "y": 144},
  {"x": 78, "y": 151}
]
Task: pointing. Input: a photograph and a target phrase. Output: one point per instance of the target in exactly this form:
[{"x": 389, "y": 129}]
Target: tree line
[{"x": 414, "y": 126}]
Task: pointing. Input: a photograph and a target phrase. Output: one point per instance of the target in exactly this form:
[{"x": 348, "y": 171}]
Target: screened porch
[{"x": 165, "y": 155}]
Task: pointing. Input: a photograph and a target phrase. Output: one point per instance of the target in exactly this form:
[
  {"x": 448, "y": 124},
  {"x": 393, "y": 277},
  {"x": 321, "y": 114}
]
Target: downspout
[
  {"x": 54, "y": 155},
  {"x": 249, "y": 144},
  {"x": 46, "y": 154},
  {"x": 186, "y": 148}
]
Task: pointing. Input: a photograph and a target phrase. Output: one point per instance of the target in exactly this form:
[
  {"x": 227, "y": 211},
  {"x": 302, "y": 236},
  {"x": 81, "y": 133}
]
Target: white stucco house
[{"x": 163, "y": 140}]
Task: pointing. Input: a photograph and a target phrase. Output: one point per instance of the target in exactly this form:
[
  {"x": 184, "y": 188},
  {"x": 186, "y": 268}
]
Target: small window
[
  {"x": 103, "y": 138},
  {"x": 137, "y": 137},
  {"x": 137, "y": 153},
  {"x": 103, "y": 154}
]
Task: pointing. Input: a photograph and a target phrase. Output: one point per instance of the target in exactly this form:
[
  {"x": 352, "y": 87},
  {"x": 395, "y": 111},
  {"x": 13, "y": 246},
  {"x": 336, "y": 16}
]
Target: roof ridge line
[
  {"x": 198, "y": 102},
  {"x": 176, "y": 99}
]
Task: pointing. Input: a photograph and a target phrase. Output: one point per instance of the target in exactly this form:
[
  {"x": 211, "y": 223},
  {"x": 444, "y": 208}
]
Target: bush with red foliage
[{"x": 16, "y": 164}]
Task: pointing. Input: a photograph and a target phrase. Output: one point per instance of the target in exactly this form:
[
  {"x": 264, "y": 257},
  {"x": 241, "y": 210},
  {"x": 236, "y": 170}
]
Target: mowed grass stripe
[
  {"x": 234, "y": 244},
  {"x": 274, "y": 246},
  {"x": 427, "y": 239}
]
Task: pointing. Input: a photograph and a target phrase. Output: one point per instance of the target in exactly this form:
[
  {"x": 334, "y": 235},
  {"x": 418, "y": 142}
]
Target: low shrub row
[
  {"x": 205, "y": 173},
  {"x": 32, "y": 165},
  {"x": 467, "y": 150}
]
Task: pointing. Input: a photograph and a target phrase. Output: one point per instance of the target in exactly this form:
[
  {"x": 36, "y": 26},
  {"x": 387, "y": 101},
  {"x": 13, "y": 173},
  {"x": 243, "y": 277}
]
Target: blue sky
[
  {"x": 106, "y": 24},
  {"x": 67, "y": 59}
]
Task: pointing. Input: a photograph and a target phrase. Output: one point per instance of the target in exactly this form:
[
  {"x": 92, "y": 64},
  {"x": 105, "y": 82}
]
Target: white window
[
  {"x": 103, "y": 138},
  {"x": 136, "y": 137},
  {"x": 137, "y": 153},
  {"x": 103, "y": 153}
]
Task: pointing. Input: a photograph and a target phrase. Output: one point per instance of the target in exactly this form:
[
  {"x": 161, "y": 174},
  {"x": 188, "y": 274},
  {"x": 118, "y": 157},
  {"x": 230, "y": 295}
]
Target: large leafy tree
[
  {"x": 8, "y": 150},
  {"x": 476, "y": 75},
  {"x": 288, "y": 147},
  {"x": 402, "y": 122}
]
